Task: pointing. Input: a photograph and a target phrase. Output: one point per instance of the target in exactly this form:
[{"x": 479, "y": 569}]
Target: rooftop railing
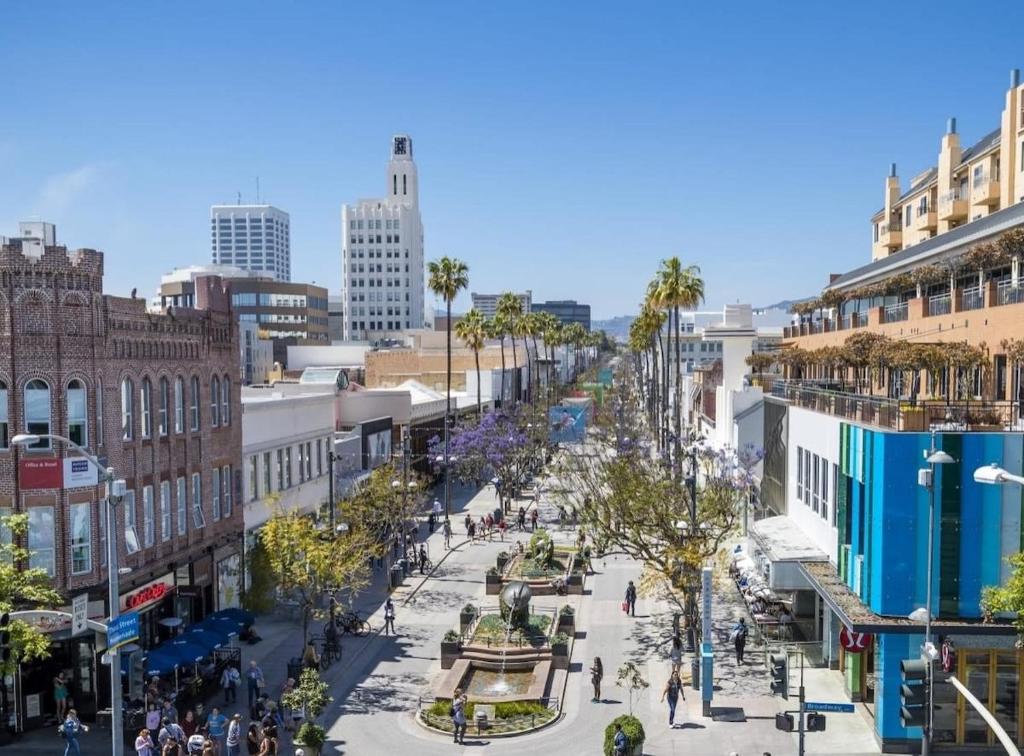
[
  {"x": 1006, "y": 293},
  {"x": 896, "y": 312}
]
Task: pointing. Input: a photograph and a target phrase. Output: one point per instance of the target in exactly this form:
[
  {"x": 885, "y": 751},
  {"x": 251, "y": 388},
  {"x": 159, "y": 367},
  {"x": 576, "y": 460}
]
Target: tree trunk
[
  {"x": 515, "y": 374},
  {"x": 479, "y": 403},
  {"x": 536, "y": 368},
  {"x": 502, "y": 340},
  {"x": 447, "y": 419},
  {"x": 679, "y": 399}
]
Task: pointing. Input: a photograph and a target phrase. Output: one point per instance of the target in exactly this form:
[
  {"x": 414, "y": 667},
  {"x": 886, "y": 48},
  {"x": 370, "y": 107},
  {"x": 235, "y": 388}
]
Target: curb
[{"x": 553, "y": 721}]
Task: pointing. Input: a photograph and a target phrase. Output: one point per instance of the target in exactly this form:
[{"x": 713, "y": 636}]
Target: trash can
[
  {"x": 403, "y": 565},
  {"x": 396, "y": 575}
]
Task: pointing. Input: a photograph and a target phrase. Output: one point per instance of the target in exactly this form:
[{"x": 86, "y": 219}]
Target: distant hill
[
  {"x": 617, "y": 328},
  {"x": 784, "y": 305}
]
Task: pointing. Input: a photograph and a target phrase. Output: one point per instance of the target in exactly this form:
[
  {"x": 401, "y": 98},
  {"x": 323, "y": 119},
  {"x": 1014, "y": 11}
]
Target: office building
[
  {"x": 156, "y": 395},
  {"x": 488, "y": 303},
  {"x": 566, "y": 310},
  {"x": 252, "y": 237},
  {"x": 382, "y": 277}
]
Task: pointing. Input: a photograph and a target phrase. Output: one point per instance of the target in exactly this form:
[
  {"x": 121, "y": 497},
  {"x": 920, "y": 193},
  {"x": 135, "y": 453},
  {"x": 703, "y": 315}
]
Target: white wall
[
  {"x": 817, "y": 433},
  {"x": 334, "y": 355},
  {"x": 355, "y": 407}
]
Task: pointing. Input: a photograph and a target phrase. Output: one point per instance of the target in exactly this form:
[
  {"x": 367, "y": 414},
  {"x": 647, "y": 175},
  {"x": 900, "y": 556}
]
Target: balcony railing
[
  {"x": 1006, "y": 293},
  {"x": 901, "y": 415},
  {"x": 896, "y": 312},
  {"x": 972, "y": 299},
  {"x": 940, "y": 304}
]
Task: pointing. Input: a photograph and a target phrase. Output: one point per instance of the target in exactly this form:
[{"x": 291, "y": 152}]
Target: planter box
[
  {"x": 560, "y": 656},
  {"x": 566, "y": 624},
  {"x": 492, "y": 584},
  {"x": 574, "y": 584},
  {"x": 501, "y": 562},
  {"x": 465, "y": 620},
  {"x": 308, "y": 749},
  {"x": 449, "y": 654}
]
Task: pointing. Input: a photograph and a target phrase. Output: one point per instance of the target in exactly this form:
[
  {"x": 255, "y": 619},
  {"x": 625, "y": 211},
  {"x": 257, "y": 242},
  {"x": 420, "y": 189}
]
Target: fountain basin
[
  {"x": 480, "y": 683},
  {"x": 482, "y": 680}
]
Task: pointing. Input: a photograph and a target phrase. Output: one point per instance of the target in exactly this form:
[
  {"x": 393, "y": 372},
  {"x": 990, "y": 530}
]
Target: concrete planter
[
  {"x": 492, "y": 583},
  {"x": 566, "y": 624},
  {"x": 501, "y": 562},
  {"x": 574, "y": 584},
  {"x": 449, "y": 654},
  {"x": 465, "y": 620},
  {"x": 560, "y": 656}
]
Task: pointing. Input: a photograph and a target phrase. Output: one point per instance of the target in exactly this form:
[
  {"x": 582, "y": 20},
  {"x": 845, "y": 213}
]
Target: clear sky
[{"x": 564, "y": 147}]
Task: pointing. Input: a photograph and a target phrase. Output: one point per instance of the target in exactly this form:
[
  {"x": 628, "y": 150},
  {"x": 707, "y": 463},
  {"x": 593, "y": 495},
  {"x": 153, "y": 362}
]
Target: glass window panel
[
  {"x": 81, "y": 538},
  {"x": 37, "y": 411},
  {"x": 41, "y": 539},
  {"x": 165, "y": 510},
  {"x": 131, "y": 536},
  {"x": 182, "y": 507},
  {"x": 77, "y": 425}
]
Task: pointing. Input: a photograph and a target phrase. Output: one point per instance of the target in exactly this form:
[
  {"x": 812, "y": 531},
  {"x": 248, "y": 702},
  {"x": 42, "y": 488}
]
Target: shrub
[
  {"x": 567, "y": 611},
  {"x": 510, "y": 709},
  {"x": 631, "y": 726},
  {"x": 469, "y": 609},
  {"x": 560, "y": 639},
  {"x": 451, "y": 636},
  {"x": 311, "y": 735},
  {"x": 504, "y": 555},
  {"x": 492, "y": 571},
  {"x": 441, "y": 706}
]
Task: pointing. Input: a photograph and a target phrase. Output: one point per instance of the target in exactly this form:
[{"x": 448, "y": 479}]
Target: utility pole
[
  {"x": 800, "y": 751},
  {"x": 691, "y": 604},
  {"x": 330, "y": 485}
]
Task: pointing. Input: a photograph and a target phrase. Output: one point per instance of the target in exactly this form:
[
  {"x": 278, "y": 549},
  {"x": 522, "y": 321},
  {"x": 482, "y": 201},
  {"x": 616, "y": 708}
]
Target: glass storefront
[{"x": 993, "y": 676}]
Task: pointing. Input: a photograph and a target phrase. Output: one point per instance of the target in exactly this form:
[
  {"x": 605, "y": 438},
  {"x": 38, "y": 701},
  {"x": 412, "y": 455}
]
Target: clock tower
[{"x": 403, "y": 183}]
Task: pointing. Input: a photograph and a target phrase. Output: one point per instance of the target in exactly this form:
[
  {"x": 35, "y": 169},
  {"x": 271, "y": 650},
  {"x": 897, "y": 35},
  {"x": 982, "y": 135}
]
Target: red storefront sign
[
  {"x": 853, "y": 642},
  {"x": 40, "y": 473},
  {"x": 147, "y": 595}
]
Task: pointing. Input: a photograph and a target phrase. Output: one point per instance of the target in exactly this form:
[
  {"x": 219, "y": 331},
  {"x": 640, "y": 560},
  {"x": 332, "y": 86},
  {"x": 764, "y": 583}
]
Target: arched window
[
  {"x": 78, "y": 426},
  {"x": 214, "y": 402},
  {"x": 194, "y": 404},
  {"x": 5, "y": 437},
  {"x": 127, "y": 409},
  {"x": 164, "y": 408},
  {"x": 99, "y": 414},
  {"x": 179, "y": 405},
  {"x": 37, "y": 411},
  {"x": 225, "y": 401},
  {"x": 146, "y": 400}
]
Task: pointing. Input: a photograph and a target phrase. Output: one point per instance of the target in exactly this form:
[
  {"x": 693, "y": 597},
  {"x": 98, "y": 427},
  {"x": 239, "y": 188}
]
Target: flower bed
[
  {"x": 509, "y": 717},
  {"x": 491, "y": 630}
]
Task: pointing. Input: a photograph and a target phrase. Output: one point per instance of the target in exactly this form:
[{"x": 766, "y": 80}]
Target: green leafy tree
[
  {"x": 22, "y": 587},
  {"x": 1009, "y": 598},
  {"x": 510, "y": 310},
  {"x": 311, "y": 697},
  {"x": 630, "y": 678}
]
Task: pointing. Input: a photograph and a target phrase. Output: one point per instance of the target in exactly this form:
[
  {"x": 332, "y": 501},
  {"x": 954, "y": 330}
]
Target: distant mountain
[
  {"x": 784, "y": 305},
  {"x": 617, "y": 328}
]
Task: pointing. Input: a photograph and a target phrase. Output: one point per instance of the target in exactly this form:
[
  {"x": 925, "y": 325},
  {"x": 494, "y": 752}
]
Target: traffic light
[
  {"x": 779, "y": 668},
  {"x": 784, "y": 722},
  {"x": 5, "y": 636},
  {"x": 815, "y": 722},
  {"x": 913, "y": 692}
]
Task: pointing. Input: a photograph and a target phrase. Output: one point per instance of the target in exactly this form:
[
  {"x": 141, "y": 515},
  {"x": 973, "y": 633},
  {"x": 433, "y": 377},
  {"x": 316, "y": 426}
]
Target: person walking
[
  {"x": 171, "y": 732},
  {"x": 447, "y": 533},
  {"x": 676, "y": 652},
  {"x": 423, "y": 559},
  {"x": 254, "y": 681},
  {"x": 521, "y": 518},
  {"x": 459, "y": 716},
  {"x": 437, "y": 510},
  {"x": 70, "y": 731},
  {"x": 502, "y": 527},
  {"x": 739, "y": 639},
  {"x": 596, "y": 674},
  {"x": 189, "y": 724},
  {"x": 229, "y": 680},
  {"x": 234, "y": 738},
  {"x": 469, "y": 525},
  {"x": 144, "y": 744},
  {"x": 60, "y": 695},
  {"x": 389, "y": 617},
  {"x": 533, "y": 520},
  {"x": 153, "y": 719},
  {"x": 253, "y": 739},
  {"x": 215, "y": 724},
  {"x": 630, "y": 603},
  {"x": 673, "y": 690}
]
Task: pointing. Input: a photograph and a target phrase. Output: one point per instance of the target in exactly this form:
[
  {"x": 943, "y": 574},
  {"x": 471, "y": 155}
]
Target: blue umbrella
[
  {"x": 234, "y": 612},
  {"x": 224, "y": 625},
  {"x": 203, "y": 637},
  {"x": 187, "y": 652},
  {"x": 160, "y": 664}
]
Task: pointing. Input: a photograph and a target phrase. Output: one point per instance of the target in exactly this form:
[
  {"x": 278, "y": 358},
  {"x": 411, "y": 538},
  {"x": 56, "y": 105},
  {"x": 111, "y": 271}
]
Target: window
[
  {"x": 267, "y": 487},
  {"x": 41, "y": 539},
  {"x": 198, "y": 519},
  {"x": 309, "y": 460},
  {"x": 148, "y": 523},
  {"x": 225, "y": 401},
  {"x": 165, "y": 510},
  {"x": 127, "y": 409},
  {"x": 179, "y": 405},
  {"x": 81, "y": 538},
  {"x": 5, "y": 438},
  {"x": 835, "y": 494},
  {"x": 146, "y": 397},
  {"x": 103, "y": 512},
  {"x": 824, "y": 489},
  {"x": 814, "y": 487},
  {"x": 182, "y": 507},
  {"x": 99, "y": 417},
  {"x": 215, "y": 497},
  {"x": 909, "y": 214},
  {"x": 37, "y": 413},
  {"x": 164, "y": 408},
  {"x": 225, "y": 478},
  {"x": 288, "y": 467},
  {"x": 319, "y": 457},
  {"x": 214, "y": 402},
  {"x": 131, "y": 536},
  {"x": 78, "y": 427},
  {"x": 302, "y": 463},
  {"x": 280, "y": 470},
  {"x": 194, "y": 404},
  {"x": 807, "y": 477},
  {"x": 799, "y": 473},
  {"x": 254, "y": 478}
]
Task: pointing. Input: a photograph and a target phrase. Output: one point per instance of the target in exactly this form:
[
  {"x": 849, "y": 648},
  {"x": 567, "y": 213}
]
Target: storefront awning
[
  {"x": 858, "y": 617},
  {"x": 782, "y": 540}
]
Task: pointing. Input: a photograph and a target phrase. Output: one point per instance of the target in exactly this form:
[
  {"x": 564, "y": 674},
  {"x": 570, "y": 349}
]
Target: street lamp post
[
  {"x": 995, "y": 475},
  {"x": 113, "y": 491},
  {"x": 330, "y": 484},
  {"x": 926, "y": 477}
]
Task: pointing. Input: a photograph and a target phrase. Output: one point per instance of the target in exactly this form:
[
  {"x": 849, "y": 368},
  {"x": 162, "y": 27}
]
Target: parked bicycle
[{"x": 351, "y": 623}]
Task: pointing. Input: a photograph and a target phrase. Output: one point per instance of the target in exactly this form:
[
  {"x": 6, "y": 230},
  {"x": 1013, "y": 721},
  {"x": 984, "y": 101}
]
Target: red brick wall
[{"x": 56, "y": 325}]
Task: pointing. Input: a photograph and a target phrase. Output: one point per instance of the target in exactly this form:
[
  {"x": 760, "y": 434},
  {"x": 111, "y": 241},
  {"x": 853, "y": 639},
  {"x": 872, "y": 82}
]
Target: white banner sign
[
  {"x": 78, "y": 472},
  {"x": 79, "y": 614}
]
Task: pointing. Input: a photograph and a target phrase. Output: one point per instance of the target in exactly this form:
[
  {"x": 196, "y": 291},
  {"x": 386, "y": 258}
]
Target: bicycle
[
  {"x": 330, "y": 649},
  {"x": 351, "y": 622}
]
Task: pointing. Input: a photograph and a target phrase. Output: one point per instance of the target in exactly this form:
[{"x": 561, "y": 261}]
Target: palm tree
[
  {"x": 496, "y": 329},
  {"x": 679, "y": 287},
  {"x": 472, "y": 331},
  {"x": 575, "y": 334},
  {"x": 510, "y": 308},
  {"x": 653, "y": 302},
  {"x": 531, "y": 328},
  {"x": 547, "y": 328},
  {"x": 448, "y": 276}
]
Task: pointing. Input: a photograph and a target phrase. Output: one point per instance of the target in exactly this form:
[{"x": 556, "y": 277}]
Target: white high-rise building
[
  {"x": 252, "y": 237},
  {"x": 382, "y": 270}
]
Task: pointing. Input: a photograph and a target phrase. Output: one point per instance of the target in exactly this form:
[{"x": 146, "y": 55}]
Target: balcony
[
  {"x": 891, "y": 234},
  {"x": 940, "y": 304},
  {"x": 972, "y": 299},
  {"x": 899, "y": 414},
  {"x": 985, "y": 189},
  {"x": 926, "y": 219},
  {"x": 952, "y": 206},
  {"x": 895, "y": 313},
  {"x": 1007, "y": 294}
]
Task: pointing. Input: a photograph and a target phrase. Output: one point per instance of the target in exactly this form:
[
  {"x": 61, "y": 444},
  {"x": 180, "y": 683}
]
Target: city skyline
[{"x": 516, "y": 159}]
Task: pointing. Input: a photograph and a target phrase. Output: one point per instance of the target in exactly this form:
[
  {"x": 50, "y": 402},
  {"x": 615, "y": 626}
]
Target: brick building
[{"x": 156, "y": 395}]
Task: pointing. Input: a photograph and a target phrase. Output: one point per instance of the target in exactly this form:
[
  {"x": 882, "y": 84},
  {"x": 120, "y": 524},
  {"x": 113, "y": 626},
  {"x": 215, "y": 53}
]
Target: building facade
[
  {"x": 382, "y": 264},
  {"x": 487, "y": 304},
  {"x": 252, "y": 237},
  {"x": 154, "y": 395},
  {"x": 566, "y": 310}
]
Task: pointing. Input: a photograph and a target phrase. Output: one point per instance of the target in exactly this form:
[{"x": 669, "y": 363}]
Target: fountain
[{"x": 514, "y": 604}]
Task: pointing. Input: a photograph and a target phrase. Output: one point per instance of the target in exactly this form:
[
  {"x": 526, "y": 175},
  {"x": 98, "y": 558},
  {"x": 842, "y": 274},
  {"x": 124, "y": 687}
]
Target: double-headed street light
[
  {"x": 994, "y": 475},
  {"x": 114, "y": 491}
]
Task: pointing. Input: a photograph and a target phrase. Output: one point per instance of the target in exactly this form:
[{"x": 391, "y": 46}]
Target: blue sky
[{"x": 565, "y": 147}]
